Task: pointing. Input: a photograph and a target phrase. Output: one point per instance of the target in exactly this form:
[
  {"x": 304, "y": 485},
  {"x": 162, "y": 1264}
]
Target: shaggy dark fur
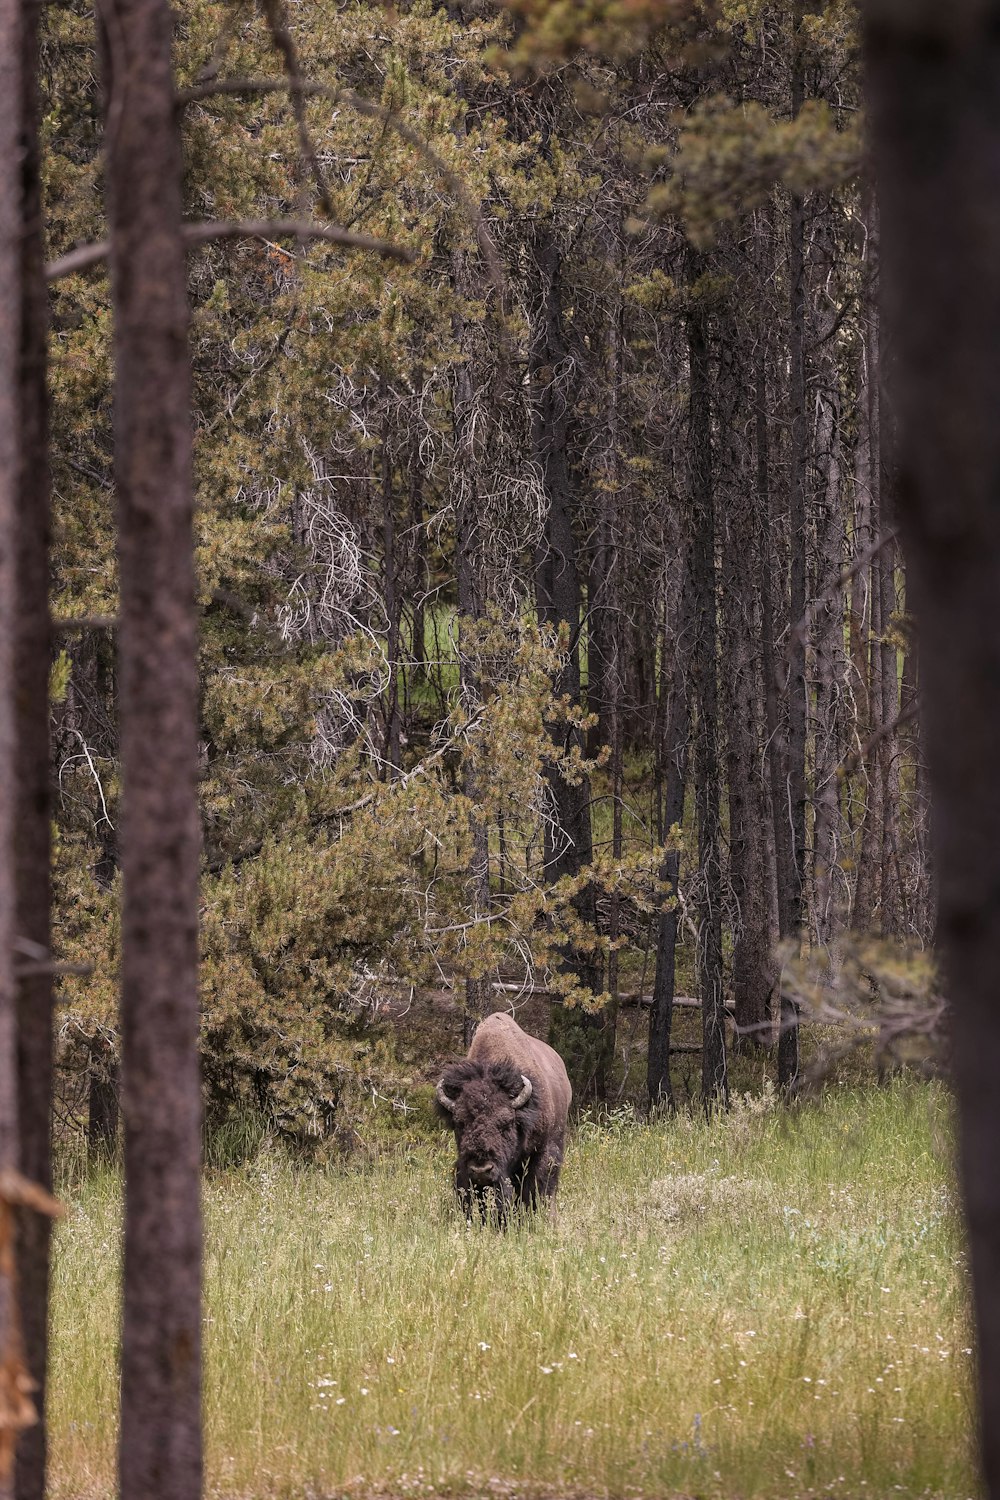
[{"x": 507, "y": 1152}]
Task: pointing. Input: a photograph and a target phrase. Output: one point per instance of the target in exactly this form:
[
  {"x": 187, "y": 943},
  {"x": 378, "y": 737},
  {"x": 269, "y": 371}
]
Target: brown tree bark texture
[
  {"x": 160, "y": 1443},
  {"x": 675, "y": 756},
  {"x": 10, "y": 325},
  {"x": 33, "y": 648},
  {"x": 934, "y": 82},
  {"x": 714, "y": 1080},
  {"x": 17, "y": 1195},
  {"x": 753, "y": 968}
]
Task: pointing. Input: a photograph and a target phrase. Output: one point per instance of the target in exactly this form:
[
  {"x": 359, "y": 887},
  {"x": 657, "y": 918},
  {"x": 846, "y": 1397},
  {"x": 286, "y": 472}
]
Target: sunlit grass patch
[{"x": 771, "y": 1304}]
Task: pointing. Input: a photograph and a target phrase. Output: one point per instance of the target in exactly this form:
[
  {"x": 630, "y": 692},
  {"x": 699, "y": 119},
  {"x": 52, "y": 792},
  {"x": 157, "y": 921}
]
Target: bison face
[{"x": 490, "y": 1109}]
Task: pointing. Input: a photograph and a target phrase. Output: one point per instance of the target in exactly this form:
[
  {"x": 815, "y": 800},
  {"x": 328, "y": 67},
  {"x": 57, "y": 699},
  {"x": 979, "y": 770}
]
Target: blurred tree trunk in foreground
[
  {"x": 12, "y": 1397},
  {"x": 33, "y": 646},
  {"x": 934, "y": 79}
]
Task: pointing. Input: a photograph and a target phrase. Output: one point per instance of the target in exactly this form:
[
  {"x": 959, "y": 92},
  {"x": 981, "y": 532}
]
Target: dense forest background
[{"x": 553, "y": 627}]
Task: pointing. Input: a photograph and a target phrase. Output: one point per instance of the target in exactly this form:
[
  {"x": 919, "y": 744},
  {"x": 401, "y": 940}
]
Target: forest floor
[{"x": 772, "y": 1304}]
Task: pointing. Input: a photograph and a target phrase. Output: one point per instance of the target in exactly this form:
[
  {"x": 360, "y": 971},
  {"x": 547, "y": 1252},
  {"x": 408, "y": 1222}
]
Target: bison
[{"x": 508, "y": 1104}]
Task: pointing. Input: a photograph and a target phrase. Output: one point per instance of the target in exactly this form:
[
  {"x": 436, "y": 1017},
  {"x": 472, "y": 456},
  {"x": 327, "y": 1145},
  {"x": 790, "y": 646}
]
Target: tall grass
[{"x": 764, "y": 1305}]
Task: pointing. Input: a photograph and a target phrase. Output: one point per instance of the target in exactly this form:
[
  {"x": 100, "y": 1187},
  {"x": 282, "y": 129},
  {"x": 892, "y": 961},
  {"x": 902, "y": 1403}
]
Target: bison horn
[
  {"x": 525, "y": 1093},
  {"x": 443, "y": 1099}
]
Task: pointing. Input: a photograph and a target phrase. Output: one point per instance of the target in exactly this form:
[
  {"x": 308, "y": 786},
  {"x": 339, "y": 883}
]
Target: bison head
[{"x": 490, "y": 1108}]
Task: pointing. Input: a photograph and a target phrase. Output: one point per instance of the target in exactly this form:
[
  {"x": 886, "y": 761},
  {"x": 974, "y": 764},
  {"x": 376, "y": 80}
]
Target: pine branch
[
  {"x": 277, "y": 22},
  {"x": 233, "y": 87},
  {"x": 201, "y": 233},
  {"x": 319, "y": 819}
]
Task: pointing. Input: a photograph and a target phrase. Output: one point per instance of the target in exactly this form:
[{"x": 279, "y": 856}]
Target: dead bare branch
[
  {"x": 858, "y": 757},
  {"x": 799, "y": 635}
]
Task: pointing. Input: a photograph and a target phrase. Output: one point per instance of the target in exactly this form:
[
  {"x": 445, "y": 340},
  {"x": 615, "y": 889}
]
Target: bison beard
[{"x": 508, "y": 1104}]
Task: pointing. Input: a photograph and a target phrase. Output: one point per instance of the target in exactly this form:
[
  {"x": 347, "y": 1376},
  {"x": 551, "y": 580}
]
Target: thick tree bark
[
  {"x": 753, "y": 975},
  {"x": 675, "y": 757},
  {"x": 160, "y": 1442},
  {"x": 478, "y": 990},
  {"x": 598, "y": 624},
  {"x": 33, "y": 647},
  {"x": 790, "y": 899},
  {"x": 10, "y": 457},
  {"x": 393, "y": 604},
  {"x": 890, "y": 883},
  {"x": 557, "y": 586},
  {"x": 934, "y": 79},
  {"x": 613, "y": 674},
  {"x": 569, "y": 840},
  {"x": 865, "y": 613},
  {"x": 714, "y": 1082},
  {"x": 828, "y": 637},
  {"x": 773, "y": 720},
  {"x": 868, "y": 521}
]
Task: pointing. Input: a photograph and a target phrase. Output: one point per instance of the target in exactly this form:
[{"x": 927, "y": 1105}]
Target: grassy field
[{"x": 768, "y": 1305}]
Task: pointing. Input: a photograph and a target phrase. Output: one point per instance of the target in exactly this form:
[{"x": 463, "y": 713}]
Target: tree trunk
[
  {"x": 478, "y": 990},
  {"x": 868, "y": 485},
  {"x": 790, "y": 900},
  {"x": 888, "y": 749},
  {"x": 10, "y": 460},
  {"x": 773, "y": 720},
  {"x": 753, "y": 973},
  {"x": 675, "y": 757},
  {"x": 612, "y": 676},
  {"x": 714, "y": 1082},
  {"x": 103, "y": 1108},
  {"x": 598, "y": 622},
  {"x": 160, "y": 1441},
  {"x": 934, "y": 78},
  {"x": 393, "y": 604},
  {"x": 569, "y": 839},
  {"x": 862, "y": 628},
  {"x": 828, "y": 636},
  {"x": 33, "y": 648},
  {"x": 557, "y": 586}
]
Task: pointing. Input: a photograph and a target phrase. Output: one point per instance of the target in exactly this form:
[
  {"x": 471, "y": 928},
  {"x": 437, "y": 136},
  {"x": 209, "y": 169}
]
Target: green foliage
[
  {"x": 550, "y": 31},
  {"x": 730, "y": 156}
]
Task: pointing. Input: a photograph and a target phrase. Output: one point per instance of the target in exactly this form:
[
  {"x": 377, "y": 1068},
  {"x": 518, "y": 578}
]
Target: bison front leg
[
  {"x": 547, "y": 1171},
  {"x": 468, "y": 1196},
  {"x": 541, "y": 1176},
  {"x": 501, "y": 1202}
]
